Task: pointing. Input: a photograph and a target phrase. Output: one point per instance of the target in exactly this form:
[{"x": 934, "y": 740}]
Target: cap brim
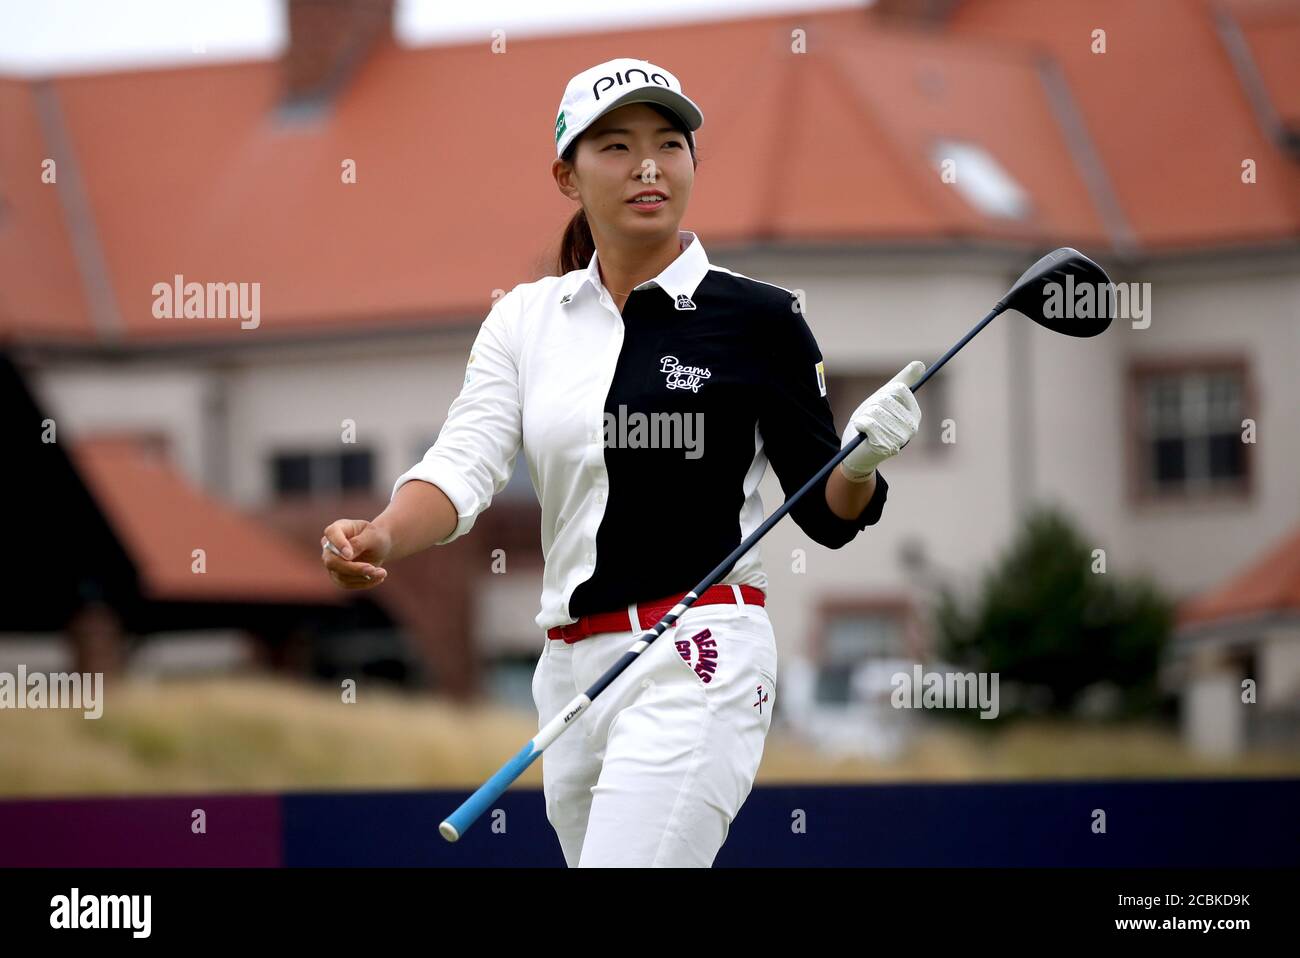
[
  {"x": 688, "y": 111},
  {"x": 682, "y": 106}
]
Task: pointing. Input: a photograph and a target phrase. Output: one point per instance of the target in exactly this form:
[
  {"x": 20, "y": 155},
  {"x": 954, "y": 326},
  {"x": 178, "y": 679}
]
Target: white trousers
[{"x": 656, "y": 770}]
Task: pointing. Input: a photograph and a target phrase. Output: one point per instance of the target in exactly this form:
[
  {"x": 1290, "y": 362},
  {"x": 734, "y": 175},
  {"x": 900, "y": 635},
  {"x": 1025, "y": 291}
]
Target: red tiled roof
[
  {"x": 1272, "y": 29},
  {"x": 160, "y": 519},
  {"x": 907, "y": 91},
  {"x": 39, "y": 288},
  {"x": 1166, "y": 112},
  {"x": 194, "y": 171},
  {"x": 1270, "y": 584}
]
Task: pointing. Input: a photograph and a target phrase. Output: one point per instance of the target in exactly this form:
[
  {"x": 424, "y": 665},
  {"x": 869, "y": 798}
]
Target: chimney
[
  {"x": 328, "y": 40},
  {"x": 913, "y": 13}
]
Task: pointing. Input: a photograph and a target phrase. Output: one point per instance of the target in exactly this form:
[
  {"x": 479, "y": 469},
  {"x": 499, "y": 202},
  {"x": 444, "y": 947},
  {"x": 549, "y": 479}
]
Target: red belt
[{"x": 648, "y": 613}]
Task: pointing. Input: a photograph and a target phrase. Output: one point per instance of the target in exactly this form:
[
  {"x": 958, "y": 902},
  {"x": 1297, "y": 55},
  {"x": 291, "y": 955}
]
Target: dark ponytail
[{"x": 577, "y": 244}]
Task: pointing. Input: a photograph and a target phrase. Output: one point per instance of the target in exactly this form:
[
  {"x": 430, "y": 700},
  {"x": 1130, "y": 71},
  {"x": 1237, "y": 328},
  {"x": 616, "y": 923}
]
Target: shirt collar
[{"x": 681, "y": 277}]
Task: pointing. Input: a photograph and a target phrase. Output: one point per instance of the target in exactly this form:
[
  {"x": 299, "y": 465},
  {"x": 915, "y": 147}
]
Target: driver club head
[{"x": 1065, "y": 292}]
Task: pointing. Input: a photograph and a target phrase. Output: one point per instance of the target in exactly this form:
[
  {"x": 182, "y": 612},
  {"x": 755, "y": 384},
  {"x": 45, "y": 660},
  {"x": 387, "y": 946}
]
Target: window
[
  {"x": 981, "y": 179},
  {"x": 1189, "y": 430},
  {"x": 318, "y": 473},
  {"x": 850, "y": 641},
  {"x": 846, "y": 391}
]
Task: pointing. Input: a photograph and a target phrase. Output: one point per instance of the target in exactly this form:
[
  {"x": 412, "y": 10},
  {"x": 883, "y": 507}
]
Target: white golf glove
[{"x": 889, "y": 417}]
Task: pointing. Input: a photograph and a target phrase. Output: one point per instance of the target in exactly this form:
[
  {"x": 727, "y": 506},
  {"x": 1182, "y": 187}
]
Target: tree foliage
[{"x": 1045, "y": 620}]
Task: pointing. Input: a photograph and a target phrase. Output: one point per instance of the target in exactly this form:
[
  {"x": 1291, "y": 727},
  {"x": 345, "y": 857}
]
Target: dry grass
[
  {"x": 1030, "y": 751},
  {"x": 255, "y": 734},
  {"x": 261, "y": 734}
]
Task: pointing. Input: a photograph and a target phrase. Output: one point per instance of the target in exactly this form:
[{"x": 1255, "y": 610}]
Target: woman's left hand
[{"x": 889, "y": 417}]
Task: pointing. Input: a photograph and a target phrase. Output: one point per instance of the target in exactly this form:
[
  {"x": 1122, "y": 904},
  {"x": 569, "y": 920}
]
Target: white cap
[{"x": 596, "y": 91}]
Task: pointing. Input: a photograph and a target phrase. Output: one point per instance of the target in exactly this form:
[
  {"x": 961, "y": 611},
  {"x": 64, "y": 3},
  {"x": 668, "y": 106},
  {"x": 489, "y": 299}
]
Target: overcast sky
[{"x": 53, "y": 36}]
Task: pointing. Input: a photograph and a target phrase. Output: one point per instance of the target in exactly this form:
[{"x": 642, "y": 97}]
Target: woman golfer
[{"x": 648, "y": 390}]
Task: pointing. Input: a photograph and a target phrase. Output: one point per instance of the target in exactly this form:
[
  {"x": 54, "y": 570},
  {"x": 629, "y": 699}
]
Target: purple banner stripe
[{"x": 241, "y": 831}]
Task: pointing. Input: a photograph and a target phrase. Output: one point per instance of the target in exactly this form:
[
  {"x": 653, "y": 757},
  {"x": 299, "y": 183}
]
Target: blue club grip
[{"x": 463, "y": 817}]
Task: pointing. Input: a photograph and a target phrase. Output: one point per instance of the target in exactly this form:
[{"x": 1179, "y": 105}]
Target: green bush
[{"x": 1049, "y": 624}]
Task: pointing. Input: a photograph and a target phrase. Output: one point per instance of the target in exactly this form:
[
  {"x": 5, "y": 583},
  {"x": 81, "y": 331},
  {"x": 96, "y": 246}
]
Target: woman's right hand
[{"x": 364, "y": 547}]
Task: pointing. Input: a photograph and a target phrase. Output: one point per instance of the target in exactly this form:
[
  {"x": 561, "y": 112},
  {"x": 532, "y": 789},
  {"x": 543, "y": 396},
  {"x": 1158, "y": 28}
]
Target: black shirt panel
[
  {"x": 672, "y": 516},
  {"x": 799, "y": 431}
]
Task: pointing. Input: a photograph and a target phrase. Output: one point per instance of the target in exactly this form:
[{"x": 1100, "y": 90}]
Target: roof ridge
[{"x": 78, "y": 212}]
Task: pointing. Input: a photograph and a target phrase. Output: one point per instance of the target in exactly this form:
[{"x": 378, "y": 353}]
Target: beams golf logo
[
  {"x": 703, "y": 656},
  {"x": 683, "y": 377}
]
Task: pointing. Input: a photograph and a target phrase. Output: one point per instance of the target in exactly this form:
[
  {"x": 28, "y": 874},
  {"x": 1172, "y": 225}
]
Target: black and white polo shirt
[{"x": 646, "y": 433}]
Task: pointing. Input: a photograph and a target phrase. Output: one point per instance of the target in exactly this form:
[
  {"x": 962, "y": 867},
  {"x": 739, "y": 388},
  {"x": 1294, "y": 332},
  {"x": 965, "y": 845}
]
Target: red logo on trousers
[{"x": 704, "y": 652}]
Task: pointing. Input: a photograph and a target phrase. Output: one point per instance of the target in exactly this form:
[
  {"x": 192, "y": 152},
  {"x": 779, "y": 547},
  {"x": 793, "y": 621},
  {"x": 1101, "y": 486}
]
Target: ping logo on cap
[
  {"x": 606, "y": 83},
  {"x": 559, "y": 126}
]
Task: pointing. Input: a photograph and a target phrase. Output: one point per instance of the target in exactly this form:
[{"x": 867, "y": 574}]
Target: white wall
[
  {"x": 395, "y": 398},
  {"x": 1196, "y": 312},
  {"x": 83, "y": 397},
  {"x": 1279, "y": 667}
]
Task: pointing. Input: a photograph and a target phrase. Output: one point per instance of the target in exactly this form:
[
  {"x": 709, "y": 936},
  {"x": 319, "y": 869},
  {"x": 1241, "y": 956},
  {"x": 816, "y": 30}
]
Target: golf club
[{"x": 1040, "y": 293}]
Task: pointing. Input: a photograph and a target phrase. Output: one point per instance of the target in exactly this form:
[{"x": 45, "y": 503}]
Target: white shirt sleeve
[{"x": 474, "y": 454}]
